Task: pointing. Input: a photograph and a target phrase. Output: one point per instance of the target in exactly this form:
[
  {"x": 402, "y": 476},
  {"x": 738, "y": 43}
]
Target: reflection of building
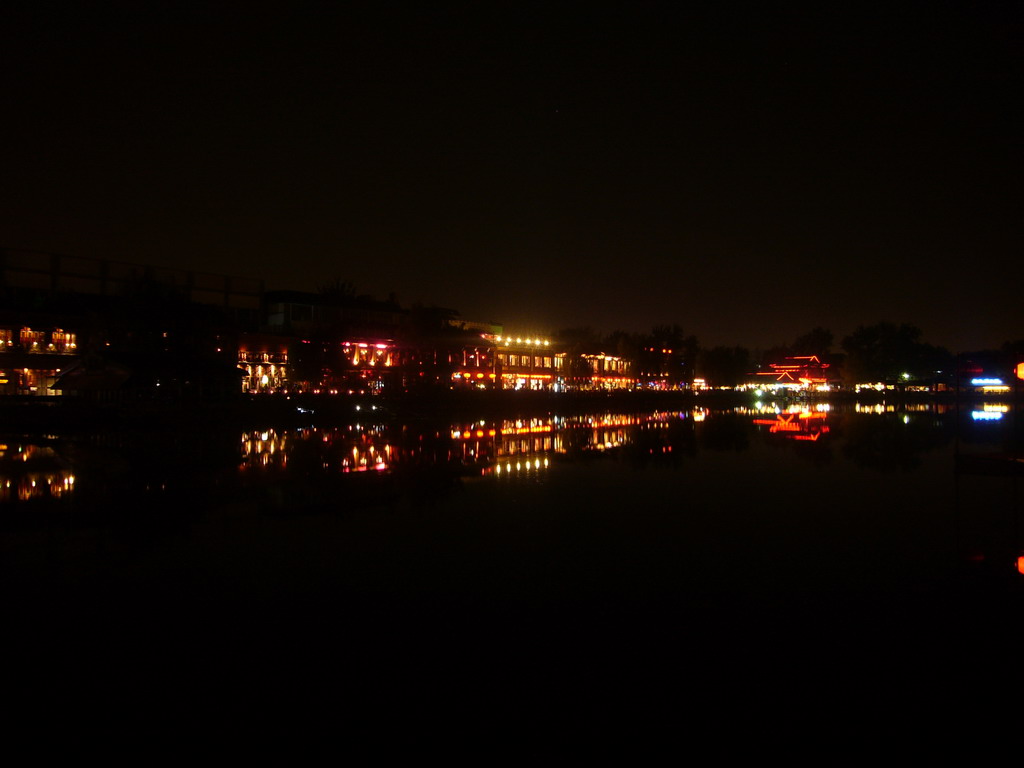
[
  {"x": 30, "y": 471},
  {"x": 797, "y": 424}
]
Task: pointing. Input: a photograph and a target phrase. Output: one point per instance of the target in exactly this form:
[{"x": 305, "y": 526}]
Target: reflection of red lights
[
  {"x": 1020, "y": 564},
  {"x": 807, "y": 423}
]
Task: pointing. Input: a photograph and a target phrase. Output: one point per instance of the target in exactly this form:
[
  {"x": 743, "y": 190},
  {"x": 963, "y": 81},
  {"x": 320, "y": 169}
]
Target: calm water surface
[{"x": 819, "y": 547}]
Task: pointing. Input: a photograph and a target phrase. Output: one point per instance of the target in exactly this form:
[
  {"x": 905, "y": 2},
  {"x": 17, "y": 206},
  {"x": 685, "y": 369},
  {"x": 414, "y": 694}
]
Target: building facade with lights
[
  {"x": 806, "y": 372},
  {"x": 33, "y": 358}
]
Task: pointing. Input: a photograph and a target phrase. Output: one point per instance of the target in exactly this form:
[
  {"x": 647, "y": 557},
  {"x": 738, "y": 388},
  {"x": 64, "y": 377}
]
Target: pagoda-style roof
[{"x": 804, "y": 369}]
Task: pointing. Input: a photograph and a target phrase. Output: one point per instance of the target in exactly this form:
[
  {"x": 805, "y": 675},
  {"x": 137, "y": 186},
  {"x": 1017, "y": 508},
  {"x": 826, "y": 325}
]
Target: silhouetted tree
[
  {"x": 622, "y": 343},
  {"x": 885, "y": 351},
  {"x": 817, "y": 341},
  {"x": 667, "y": 351},
  {"x": 724, "y": 366},
  {"x": 584, "y": 336},
  {"x": 339, "y": 289}
]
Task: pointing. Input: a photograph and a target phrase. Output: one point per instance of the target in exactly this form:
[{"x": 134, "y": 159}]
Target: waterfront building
[
  {"x": 525, "y": 362},
  {"x": 32, "y": 358},
  {"x": 805, "y": 372},
  {"x": 609, "y": 372},
  {"x": 264, "y": 359}
]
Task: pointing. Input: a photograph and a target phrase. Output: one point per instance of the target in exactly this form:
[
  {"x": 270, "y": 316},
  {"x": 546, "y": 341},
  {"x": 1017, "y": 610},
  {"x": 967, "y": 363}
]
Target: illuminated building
[
  {"x": 802, "y": 372},
  {"x": 475, "y": 366},
  {"x": 609, "y": 372},
  {"x": 370, "y": 365},
  {"x": 264, "y": 358},
  {"x": 524, "y": 362},
  {"x": 989, "y": 385},
  {"x": 32, "y": 359}
]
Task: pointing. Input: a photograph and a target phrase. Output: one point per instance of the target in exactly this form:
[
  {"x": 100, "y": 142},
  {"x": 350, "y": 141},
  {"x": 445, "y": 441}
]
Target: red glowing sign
[{"x": 805, "y": 369}]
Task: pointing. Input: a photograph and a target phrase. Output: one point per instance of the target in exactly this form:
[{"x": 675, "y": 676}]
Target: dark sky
[{"x": 748, "y": 174}]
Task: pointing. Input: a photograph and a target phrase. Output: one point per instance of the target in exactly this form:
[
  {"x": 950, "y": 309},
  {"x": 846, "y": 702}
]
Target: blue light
[
  {"x": 986, "y": 415},
  {"x": 986, "y": 382}
]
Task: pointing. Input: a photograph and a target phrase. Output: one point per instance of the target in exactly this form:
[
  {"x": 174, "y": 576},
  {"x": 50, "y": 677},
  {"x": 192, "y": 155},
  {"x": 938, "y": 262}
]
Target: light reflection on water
[
  {"x": 628, "y": 534},
  {"x": 30, "y": 471},
  {"x": 883, "y": 437},
  {"x": 717, "y": 457},
  {"x": 478, "y": 447}
]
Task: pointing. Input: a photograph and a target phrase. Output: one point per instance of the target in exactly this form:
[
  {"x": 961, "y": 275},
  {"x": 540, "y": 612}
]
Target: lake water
[{"x": 561, "y": 558}]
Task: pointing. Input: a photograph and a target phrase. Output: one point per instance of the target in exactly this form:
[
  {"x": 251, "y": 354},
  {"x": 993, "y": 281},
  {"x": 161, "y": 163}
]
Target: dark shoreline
[{"x": 39, "y": 414}]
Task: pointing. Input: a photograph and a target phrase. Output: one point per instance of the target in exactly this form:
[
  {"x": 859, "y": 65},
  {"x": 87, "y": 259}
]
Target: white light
[{"x": 986, "y": 382}]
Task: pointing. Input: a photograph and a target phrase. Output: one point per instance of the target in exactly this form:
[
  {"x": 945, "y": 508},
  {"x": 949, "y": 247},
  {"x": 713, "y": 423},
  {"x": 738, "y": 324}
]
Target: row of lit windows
[
  {"x": 61, "y": 341},
  {"x": 525, "y": 361},
  {"x": 245, "y": 356},
  {"x": 264, "y": 378}
]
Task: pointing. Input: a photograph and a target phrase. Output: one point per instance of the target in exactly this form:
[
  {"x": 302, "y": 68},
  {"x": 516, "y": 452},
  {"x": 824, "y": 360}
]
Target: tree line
[{"x": 884, "y": 351}]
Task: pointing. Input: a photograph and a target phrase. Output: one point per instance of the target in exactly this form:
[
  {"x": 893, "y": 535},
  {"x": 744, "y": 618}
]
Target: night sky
[{"x": 748, "y": 174}]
